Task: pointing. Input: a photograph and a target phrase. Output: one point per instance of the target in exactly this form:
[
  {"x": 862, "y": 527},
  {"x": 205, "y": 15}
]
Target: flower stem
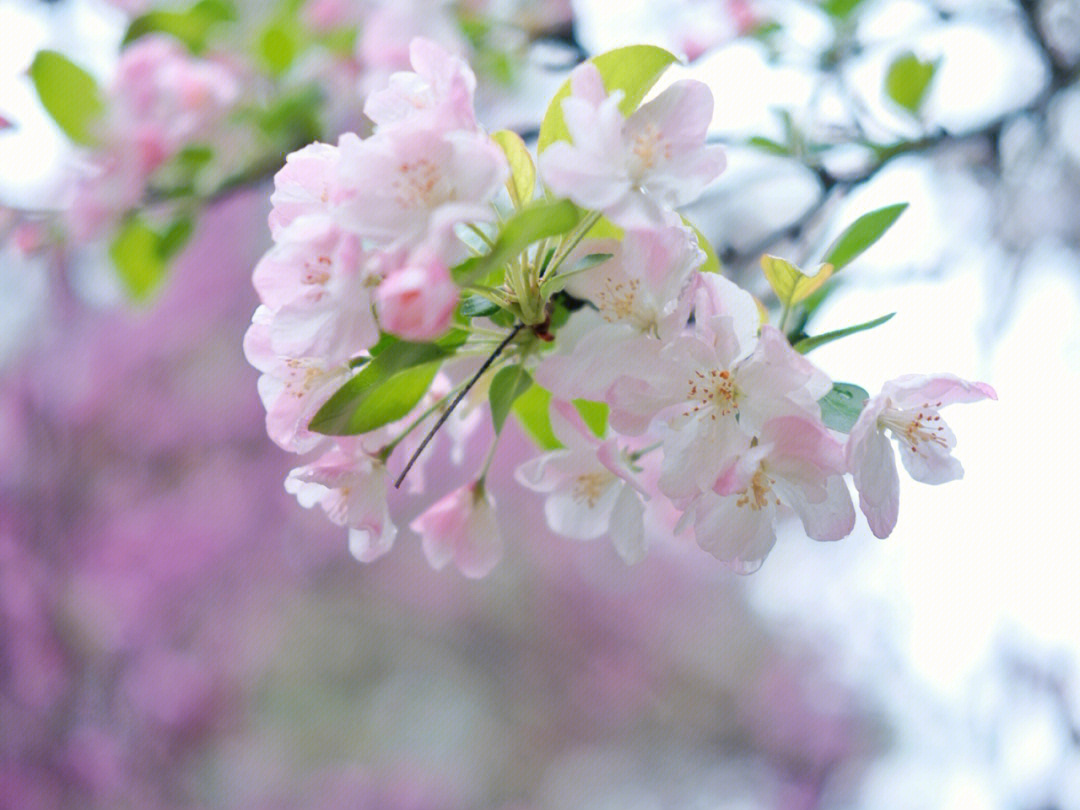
[
  {"x": 572, "y": 241},
  {"x": 461, "y": 394}
]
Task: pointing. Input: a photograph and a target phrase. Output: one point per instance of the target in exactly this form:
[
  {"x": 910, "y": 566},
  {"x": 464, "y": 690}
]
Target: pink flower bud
[{"x": 417, "y": 301}]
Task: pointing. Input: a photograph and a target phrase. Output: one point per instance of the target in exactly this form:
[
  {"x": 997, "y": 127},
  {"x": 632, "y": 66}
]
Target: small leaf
[
  {"x": 522, "y": 180},
  {"x": 278, "y": 46},
  {"x": 385, "y": 389},
  {"x": 531, "y": 409},
  {"x": 789, "y": 283},
  {"x": 840, "y": 408},
  {"x": 136, "y": 254},
  {"x": 476, "y": 306},
  {"x": 908, "y": 80},
  {"x": 594, "y": 414},
  {"x": 553, "y": 284},
  {"x": 633, "y": 69},
  {"x": 536, "y": 221},
  {"x": 840, "y": 9},
  {"x": 861, "y": 234},
  {"x": 810, "y": 343},
  {"x": 192, "y": 26},
  {"x": 68, "y": 93},
  {"x": 508, "y": 384},
  {"x": 173, "y": 240},
  {"x": 770, "y": 146}
]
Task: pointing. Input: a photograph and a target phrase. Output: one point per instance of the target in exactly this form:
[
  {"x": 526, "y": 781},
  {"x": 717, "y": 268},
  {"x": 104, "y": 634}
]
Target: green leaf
[
  {"x": 908, "y": 79},
  {"x": 175, "y": 237},
  {"x": 294, "y": 117},
  {"x": 385, "y": 389},
  {"x": 861, "y": 234},
  {"x": 634, "y": 70},
  {"x": 136, "y": 254},
  {"x": 536, "y": 221},
  {"x": 278, "y": 46},
  {"x": 476, "y": 306},
  {"x": 840, "y": 408},
  {"x": 810, "y": 343},
  {"x": 840, "y": 9},
  {"x": 192, "y": 26},
  {"x": 594, "y": 414},
  {"x": 770, "y": 146},
  {"x": 531, "y": 409},
  {"x": 508, "y": 384},
  {"x": 553, "y": 284},
  {"x": 789, "y": 283},
  {"x": 68, "y": 93},
  {"x": 522, "y": 182}
]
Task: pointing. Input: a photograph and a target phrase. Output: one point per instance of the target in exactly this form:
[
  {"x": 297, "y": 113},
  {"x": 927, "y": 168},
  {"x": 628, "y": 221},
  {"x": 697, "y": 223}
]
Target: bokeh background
[{"x": 176, "y": 632}]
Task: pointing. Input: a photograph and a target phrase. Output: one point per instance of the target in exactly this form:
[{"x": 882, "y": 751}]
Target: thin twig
[{"x": 461, "y": 395}]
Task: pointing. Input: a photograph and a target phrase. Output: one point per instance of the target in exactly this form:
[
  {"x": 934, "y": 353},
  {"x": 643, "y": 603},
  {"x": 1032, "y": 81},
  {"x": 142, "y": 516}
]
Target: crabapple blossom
[
  {"x": 417, "y": 300},
  {"x": 439, "y": 93},
  {"x": 907, "y": 408},
  {"x": 160, "y": 99},
  {"x": 351, "y": 487},
  {"x": 712, "y": 419},
  {"x": 642, "y": 300},
  {"x": 590, "y": 486},
  {"x": 461, "y": 528},
  {"x": 713, "y": 396},
  {"x": 794, "y": 462},
  {"x": 292, "y": 389},
  {"x": 303, "y": 185},
  {"x": 393, "y": 185},
  {"x": 315, "y": 283},
  {"x": 631, "y": 168}
]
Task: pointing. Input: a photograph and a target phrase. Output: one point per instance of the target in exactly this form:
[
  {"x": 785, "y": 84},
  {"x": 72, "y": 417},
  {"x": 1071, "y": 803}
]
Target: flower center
[
  {"x": 617, "y": 298},
  {"x": 649, "y": 147},
  {"x": 712, "y": 391},
  {"x": 588, "y": 487},
  {"x": 418, "y": 184},
  {"x": 757, "y": 493},
  {"x": 914, "y": 426}
]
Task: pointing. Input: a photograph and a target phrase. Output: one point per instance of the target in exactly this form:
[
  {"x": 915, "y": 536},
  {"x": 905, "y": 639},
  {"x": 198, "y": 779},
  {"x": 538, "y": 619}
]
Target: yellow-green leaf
[
  {"x": 908, "y": 80},
  {"x": 789, "y": 283},
  {"x": 522, "y": 180},
  {"x": 531, "y": 409},
  {"x": 68, "y": 93}
]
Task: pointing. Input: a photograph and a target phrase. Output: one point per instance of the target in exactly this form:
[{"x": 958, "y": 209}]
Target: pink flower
[
  {"x": 303, "y": 185},
  {"x": 907, "y": 407},
  {"x": 461, "y": 528},
  {"x": 439, "y": 93},
  {"x": 395, "y": 185},
  {"x": 292, "y": 389},
  {"x": 160, "y": 92},
  {"x": 796, "y": 463},
  {"x": 642, "y": 297},
  {"x": 714, "y": 398},
  {"x": 590, "y": 486},
  {"x": 631, "y": 168},
  {"x": 390, "y": 28},
  {"x": 314, "y": 283},
  {"x": 351, "y": 487},
  {"x": 417, "y": 301}
]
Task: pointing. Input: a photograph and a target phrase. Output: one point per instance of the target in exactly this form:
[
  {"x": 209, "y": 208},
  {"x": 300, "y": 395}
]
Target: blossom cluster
[
  {"x": 673, "y": 405},
  {"x": 161, "y": 100}
]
